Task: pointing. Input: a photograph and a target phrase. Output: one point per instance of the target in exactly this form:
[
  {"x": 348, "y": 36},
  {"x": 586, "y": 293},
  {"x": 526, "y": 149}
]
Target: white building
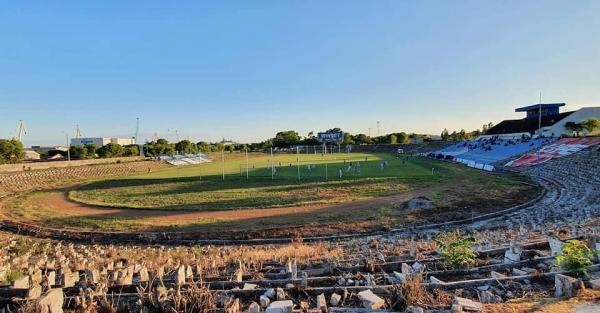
[
  {"x": 101, "y": 141},
  {"x": 578, "y": 116}
]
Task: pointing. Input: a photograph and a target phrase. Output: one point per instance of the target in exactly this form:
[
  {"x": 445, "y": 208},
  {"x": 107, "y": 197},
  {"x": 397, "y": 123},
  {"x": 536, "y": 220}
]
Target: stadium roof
[
  {"x": 525, "y": 125},
  {"x": 537, "y": 107}
]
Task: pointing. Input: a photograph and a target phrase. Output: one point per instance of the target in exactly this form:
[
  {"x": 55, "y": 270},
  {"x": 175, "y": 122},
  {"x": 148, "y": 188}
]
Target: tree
[
  {"x": 487, "y": 127},
  {"x": 203, "y": 146},
  {"x": 574, "y": 127},
  {"x": 267, "y": 144},
  {"x": 361, "y": 139},
  {"x": 91, "y": 150},
  {"x": 393, "y": 139},
  {"x": 131, "y": 150},
  {"x": 159, "y": 147},
  {"x": 11, "y": 151},
  {"x": 403, "y": 138},
  {"x": 347, "y": 140},
  {"x": 185, "y": 147},
  {"x": 218, "y": 147},
  {"x": 590, "y": 125},
  {"x": 445, "y": 135},
  {"x": 78, "y": 152},
  {"x": 286, "y": 138},
  {"x": 110, "y": 150},
  {"x": 309, "y": 141}
]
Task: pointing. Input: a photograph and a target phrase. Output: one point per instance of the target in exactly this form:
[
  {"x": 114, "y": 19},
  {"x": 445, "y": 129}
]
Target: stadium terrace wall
[{"x": 52, "y": 164}]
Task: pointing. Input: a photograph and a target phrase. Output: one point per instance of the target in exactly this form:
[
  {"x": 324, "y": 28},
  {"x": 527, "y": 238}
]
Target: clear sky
[{"x": 246, "y": 69}]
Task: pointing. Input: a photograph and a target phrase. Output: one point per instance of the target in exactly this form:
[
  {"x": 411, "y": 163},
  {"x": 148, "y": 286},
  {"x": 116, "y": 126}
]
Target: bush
[
  {"x": 11, "y": 151},
  {"x": 11, "y": 276},
  {"x": 456, "y": 250},
  {"x": 575, "y": 257}
]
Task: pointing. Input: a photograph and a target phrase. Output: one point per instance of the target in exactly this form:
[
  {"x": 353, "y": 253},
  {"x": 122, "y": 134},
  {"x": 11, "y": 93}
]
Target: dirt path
[{"x": 61, "y": 204}]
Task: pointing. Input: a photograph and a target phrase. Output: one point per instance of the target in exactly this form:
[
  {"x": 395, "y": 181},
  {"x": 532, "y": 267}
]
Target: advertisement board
[{"x": 331, "y": 137}]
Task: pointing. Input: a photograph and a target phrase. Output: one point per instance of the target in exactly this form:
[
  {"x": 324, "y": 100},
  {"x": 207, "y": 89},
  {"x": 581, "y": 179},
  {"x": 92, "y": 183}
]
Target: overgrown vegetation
[
  {"x": 11, "y": 275},
  {"x": 590, "y": 126},
  {"x": 20, "y": 248},
  {"x": 456, "y": 250},
  {"x": 575, "y": 257},
  {"x": 11, "y": 151}
]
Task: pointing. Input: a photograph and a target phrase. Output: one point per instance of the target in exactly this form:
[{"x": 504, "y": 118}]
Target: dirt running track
[{"x": 61, "y": 203}]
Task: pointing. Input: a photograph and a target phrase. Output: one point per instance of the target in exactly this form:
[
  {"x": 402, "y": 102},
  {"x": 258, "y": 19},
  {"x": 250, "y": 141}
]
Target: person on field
[{"x": 341, "y": 173}]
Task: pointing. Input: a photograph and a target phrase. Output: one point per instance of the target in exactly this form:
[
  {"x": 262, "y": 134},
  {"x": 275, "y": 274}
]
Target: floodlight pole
[
  {"x": 272, "y": 163},
  {"x": 223, "y": 163},
  {"x": 537, "y": 163},
  {"x": 246, "y": 163},
  {"x": 298, "y": 160}
]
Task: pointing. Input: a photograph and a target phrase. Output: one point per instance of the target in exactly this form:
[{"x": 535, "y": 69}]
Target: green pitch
[{"x": 302, "y": 180}]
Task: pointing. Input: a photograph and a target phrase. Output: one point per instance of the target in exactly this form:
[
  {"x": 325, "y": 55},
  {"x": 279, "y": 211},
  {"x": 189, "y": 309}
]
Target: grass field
[
  {"x": 198, "y": 198},
  {"x": 203, "y": 187}
]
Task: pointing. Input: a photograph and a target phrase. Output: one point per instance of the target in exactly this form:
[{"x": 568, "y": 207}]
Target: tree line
[
  {"x": 12, "y": 150},
  {"x": 281, "y": 140},
  {"x": 464, "y": 135}
]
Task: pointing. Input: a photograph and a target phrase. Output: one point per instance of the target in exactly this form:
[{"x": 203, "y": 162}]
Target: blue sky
[{"x": 246, "y": 69}]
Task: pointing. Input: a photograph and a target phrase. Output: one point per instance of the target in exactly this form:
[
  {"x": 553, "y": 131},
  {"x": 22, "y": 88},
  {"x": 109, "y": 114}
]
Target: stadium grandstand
[
  {"x": 513, "y": 138},
  {"x": 185, "y": 159}
]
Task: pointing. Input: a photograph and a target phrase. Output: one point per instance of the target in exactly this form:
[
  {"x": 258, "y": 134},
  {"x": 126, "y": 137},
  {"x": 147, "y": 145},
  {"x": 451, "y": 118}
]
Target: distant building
[
  {"x": 31, "y": 155},
  {"x": 45, "y": 149},
  {"x": 435, "y": 137},
  {"x": 101, "y": 141},
  {"x": 228, "y": 142},
  {"x": 552, "y": 121}
]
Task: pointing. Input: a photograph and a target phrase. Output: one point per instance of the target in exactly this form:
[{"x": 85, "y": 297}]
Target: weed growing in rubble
[
  {"x": 575, "y": 257},
  {"x": 20, "y": 247},
  {"x": 11, "y": 275},
  {"x": 456, "y": 251}
]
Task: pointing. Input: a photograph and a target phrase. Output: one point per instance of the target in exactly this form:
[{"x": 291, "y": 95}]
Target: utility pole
[
  {"x": 137, "y": 133},
  {"x": 246, "y": 163},
  {"x": 223, "y": 162},
  {"x": 68, "y": 147},
  {"x": 537, "y": 163},
  {"x": 298, "y": 160}
]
